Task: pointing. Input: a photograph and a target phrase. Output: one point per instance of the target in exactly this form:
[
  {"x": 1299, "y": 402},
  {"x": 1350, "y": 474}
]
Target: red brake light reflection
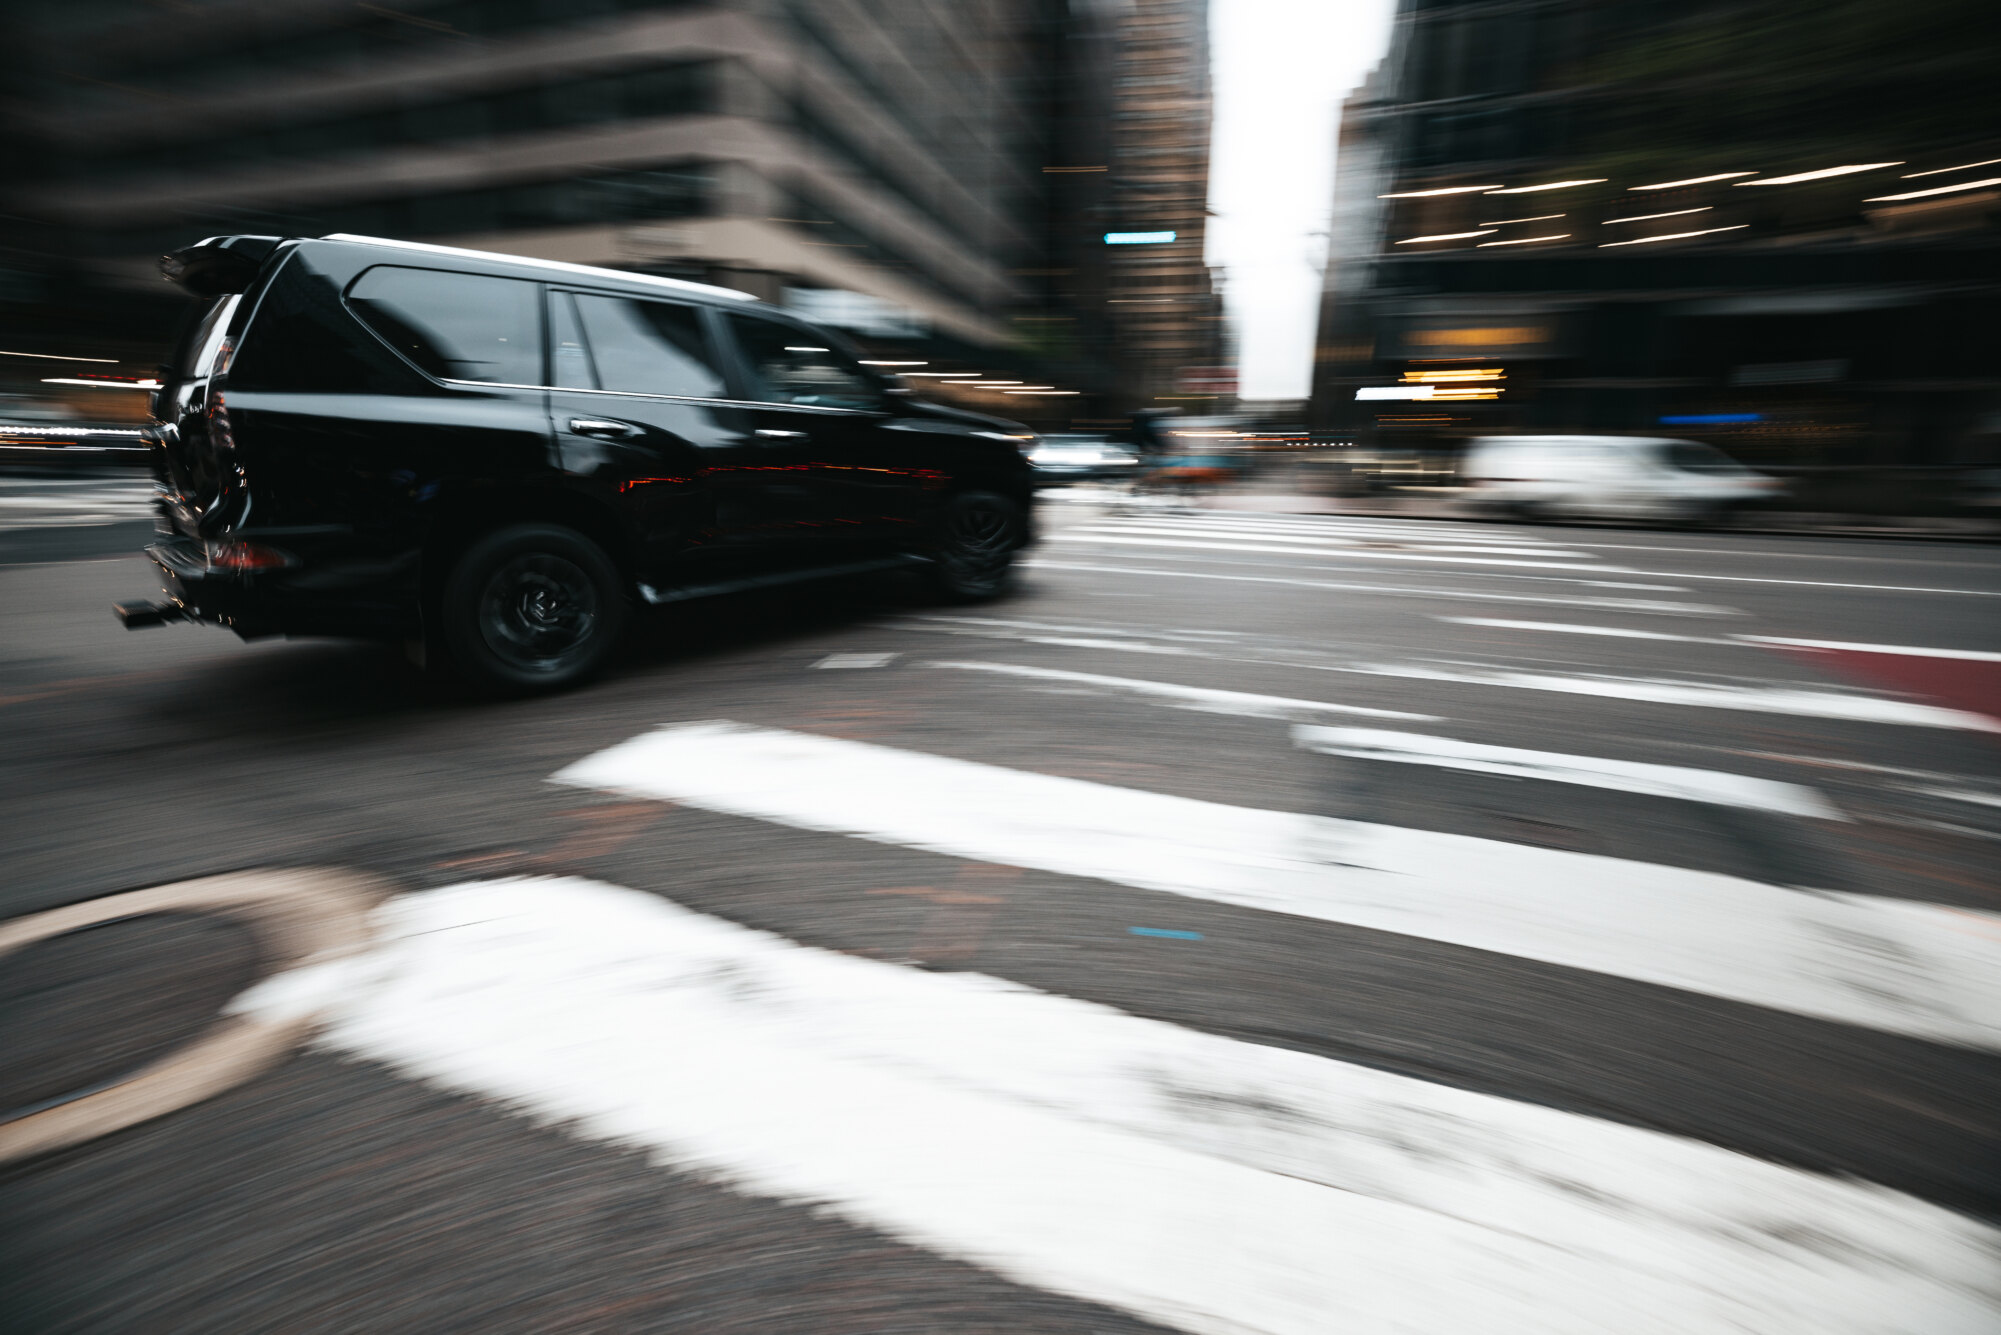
[{"x": 239, "y": 555}]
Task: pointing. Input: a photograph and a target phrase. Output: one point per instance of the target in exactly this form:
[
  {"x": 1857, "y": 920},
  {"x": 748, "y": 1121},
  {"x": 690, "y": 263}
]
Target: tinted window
[
  {"x": 570, "y": 364},
  {"x": 790, "y": 365},
  {"x": 650, "y": 347},
  {"x": 457, "y": 326},
  {"x": 202, "y": 338}
]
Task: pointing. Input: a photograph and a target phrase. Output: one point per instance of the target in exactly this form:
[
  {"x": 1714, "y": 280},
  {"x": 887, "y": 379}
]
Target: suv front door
[
  {"x": 640, "y": 401},
  {"x": 804, "y": 393}
]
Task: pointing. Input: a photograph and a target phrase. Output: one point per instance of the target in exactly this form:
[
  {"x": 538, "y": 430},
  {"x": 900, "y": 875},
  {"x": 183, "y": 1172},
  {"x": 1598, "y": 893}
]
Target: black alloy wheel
[
  {"x": 978, "y": 535},
  {"x": 533, "y": 607}
]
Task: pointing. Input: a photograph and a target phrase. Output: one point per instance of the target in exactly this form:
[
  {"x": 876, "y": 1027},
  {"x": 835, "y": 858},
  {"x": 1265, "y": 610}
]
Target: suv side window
[
  {"x": 456, "y": 326},
  {"x": 650, "y": 347},
  {"x": 790, "y": 365}
]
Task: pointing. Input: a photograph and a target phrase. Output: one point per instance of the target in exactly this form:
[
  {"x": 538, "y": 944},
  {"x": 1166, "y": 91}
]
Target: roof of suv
[{"x": 551, "y": 266}]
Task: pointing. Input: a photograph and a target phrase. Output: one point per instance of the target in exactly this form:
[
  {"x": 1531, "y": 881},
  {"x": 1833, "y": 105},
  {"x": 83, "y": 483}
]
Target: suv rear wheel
[
  {"x": 978, "y": 534},
  {"x": 531, "y": 607}
]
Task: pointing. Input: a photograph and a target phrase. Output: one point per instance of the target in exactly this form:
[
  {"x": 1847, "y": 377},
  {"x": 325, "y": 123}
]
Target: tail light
[
  {"x": 220, "y": 432},
  {"x": 240, "y": 556}
]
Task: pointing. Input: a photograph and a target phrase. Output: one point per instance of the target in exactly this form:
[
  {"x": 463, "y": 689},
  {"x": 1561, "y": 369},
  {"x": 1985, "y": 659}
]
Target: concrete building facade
[
  {"x": 1633, "y": 234},
  {"x": 885, "y": 155}
]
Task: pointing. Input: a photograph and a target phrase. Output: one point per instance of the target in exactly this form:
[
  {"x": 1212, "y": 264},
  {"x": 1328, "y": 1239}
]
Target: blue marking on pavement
[{"x": 1167, "y": 932}]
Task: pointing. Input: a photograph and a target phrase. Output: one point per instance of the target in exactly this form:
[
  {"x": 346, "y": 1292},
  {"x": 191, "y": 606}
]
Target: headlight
[{"x": 1026, "y": 443}]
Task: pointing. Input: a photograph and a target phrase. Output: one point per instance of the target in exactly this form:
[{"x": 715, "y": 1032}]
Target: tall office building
[
  {"x": 874, "y": 163},
  {"x": 1641, "y": 218},
  {"x": 1162, "y": 306}
]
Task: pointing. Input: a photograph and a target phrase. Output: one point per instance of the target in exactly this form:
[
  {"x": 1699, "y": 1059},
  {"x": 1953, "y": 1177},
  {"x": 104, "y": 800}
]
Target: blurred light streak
[
  {"x": 103, "y": 384},
  {"x": 1445, "y": 236},
  {"x": 1442, "y": 190},
  {"x": 1524, "y": 240},
  {"x": 68, "y": 431},
  {"x": 1547, "y": 185},
  {"x": 1138, "y": 238},
  {"x": 1822, "y": 174},
  {"x": 1964, "y": 166},
  {"x": 1041, "y": 392},
  {"x": 55, "y": 357},
  {"x": 1422, "y": 377},
  {"x": 1692, "y": 180},
  {"x": 1395, "y": 392},
  {"x": 1672, "y": 236},
  {"x": 881, "y": 363},
  {"x": 1540, "y": 217},
  {"x": 1642, "y": 217},
  {"x": 1935, "y": 190}
]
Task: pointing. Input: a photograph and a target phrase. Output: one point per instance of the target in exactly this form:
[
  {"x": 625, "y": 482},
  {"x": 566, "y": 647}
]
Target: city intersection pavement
[{"x": 1259, "y": 922}]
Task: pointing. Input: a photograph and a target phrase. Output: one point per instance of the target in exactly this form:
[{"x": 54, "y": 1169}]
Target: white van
[{"x": 1609, "y": 477}]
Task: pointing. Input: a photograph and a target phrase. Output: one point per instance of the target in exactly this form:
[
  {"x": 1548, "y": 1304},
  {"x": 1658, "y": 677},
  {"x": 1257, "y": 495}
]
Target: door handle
[
  {"x": 766, "y": 433},
  {"x": 602, "y": 428}
]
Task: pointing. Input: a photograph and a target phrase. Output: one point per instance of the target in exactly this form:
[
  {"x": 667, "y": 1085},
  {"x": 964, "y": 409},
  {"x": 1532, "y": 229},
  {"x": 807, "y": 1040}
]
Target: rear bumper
[{"x": 370, "y": 600}]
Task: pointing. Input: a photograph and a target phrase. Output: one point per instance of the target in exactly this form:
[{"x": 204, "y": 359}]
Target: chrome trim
[
  {"x": 556, "y": 266},
  {"x": 673, "y": 398}
]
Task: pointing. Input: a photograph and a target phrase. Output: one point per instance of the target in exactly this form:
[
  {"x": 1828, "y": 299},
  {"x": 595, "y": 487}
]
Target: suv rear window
[
  {"x": 456, "y": 326},
  {"x": 203, "y": 338}
]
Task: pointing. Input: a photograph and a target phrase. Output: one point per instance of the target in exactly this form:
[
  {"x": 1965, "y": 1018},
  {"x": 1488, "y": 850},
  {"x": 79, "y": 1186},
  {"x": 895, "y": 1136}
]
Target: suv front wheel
[
  {"x": 531, "y": 607},
  {"x": 978, "y": 534}
]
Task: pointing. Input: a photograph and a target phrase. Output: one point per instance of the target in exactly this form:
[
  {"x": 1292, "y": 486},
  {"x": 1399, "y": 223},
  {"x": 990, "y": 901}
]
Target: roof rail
[{"x": 560, "y": 266}]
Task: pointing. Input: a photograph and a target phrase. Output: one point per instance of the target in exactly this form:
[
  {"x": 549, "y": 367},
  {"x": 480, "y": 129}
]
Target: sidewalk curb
[{"x": 306, "y": 916}]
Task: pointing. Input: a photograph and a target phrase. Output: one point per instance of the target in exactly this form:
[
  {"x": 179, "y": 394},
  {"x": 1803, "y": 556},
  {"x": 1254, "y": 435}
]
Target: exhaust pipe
[{"x": 139, "y": 615}]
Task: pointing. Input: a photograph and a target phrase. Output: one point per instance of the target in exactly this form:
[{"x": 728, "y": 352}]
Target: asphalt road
[{"x": 1256, "y": 923}]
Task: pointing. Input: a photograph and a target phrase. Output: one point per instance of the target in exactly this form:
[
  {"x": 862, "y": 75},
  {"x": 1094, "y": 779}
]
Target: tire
[
  {"x": 530, "y": 608},
  {"x": 977, "y": 535}
]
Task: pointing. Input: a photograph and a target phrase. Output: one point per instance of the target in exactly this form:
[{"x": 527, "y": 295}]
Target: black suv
[{"x": 495, "y": 459}]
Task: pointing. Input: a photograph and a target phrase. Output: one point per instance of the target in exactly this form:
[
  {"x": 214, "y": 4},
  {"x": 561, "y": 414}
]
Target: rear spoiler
[{"x": 219, "y": 265}]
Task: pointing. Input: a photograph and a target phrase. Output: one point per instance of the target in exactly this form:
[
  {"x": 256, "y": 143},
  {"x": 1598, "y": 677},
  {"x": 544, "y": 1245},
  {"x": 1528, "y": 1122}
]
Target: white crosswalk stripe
[
  {"x": 66, "y": 503},
  {"x": 1893, "y": 965},
  {"x": 1207, "y": 1183}
]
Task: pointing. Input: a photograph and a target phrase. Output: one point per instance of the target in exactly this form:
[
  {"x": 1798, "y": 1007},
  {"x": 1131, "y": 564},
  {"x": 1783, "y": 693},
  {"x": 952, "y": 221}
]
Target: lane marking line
[
  {"x": 1204, "y": 699},
  {"x": 1751, "y": 699},
  {"x": 1657, "y": 607},
  {"x": 1896, "y": 965},
  {"x": 1675, "y": 781},
  {"x": 1909, "y": 651},
  {"x": 856, "y": 661},
  {"x": 1346, "y": 554},
  {"x": 1564, "y": 628},
  {"x": 1214, "y": 1185}
]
